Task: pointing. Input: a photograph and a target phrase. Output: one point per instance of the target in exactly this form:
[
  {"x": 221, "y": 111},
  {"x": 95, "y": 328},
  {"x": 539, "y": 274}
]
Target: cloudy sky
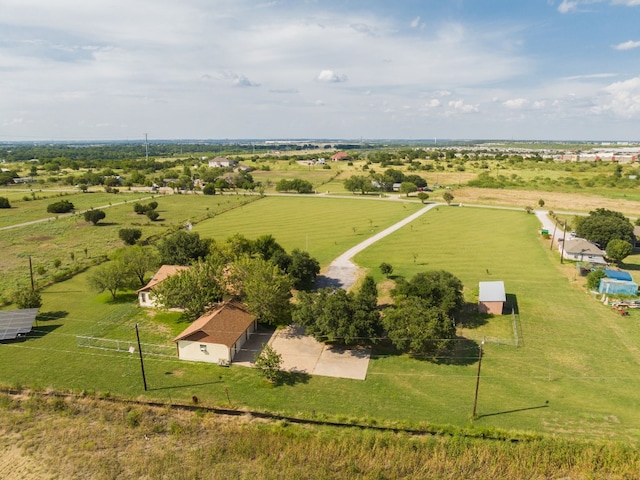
[{"x": 349, "y": 69}]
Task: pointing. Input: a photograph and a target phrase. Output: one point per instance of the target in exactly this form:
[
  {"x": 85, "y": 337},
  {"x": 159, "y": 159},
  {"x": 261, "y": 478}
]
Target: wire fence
[{"x": 125, "y": 346}]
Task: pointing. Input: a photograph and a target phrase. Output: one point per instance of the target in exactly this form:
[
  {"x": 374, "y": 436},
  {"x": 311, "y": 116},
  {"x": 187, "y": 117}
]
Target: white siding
[{"x": 188, "y": 350}]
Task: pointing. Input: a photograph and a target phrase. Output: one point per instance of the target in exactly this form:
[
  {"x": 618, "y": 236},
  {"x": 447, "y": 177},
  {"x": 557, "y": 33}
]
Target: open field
[
  {"x": 572, "y": 375},
  {"x": 78, "y": 244},
  {"x": 325, "y": 227}
]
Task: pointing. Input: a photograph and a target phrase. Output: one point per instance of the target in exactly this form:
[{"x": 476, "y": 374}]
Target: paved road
[{"x": 343, "y": 272}]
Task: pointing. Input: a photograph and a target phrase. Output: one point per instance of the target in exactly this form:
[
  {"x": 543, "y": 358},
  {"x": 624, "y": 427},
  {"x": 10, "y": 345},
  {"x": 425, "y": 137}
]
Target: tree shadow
[
  {"x": 106, "y": 224},
  {"x": 327, "y": 282},
  {"x": 53, "y": 315},
  {"x": 471, "y": 318},
  {"x": 123, "y": 298},
  {"x": 464, "y": 352},
  {"x": 291, "y": 378}
]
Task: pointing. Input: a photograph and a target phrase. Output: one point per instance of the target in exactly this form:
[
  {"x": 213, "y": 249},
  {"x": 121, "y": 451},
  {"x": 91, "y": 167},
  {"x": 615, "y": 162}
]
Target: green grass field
[{"x": 572, "y": 375}]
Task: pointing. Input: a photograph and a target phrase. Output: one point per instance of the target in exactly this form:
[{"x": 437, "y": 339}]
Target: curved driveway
[{"x": 342, "y": 272}]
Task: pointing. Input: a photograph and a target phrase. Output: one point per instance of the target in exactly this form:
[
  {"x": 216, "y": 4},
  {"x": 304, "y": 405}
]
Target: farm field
[{"x": 571, "y": 375}]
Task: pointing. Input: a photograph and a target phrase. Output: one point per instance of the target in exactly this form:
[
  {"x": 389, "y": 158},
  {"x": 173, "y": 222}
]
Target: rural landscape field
[{"x": 555, "y": 395}]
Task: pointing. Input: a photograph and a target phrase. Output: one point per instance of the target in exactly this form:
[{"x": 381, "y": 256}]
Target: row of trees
[
  {"x": 608, "y": 229},
  {"x": 420, "y": 322}
]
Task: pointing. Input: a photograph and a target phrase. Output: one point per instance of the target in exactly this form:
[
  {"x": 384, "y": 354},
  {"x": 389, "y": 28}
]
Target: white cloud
[
  {"x": 628, "y": 3},
  {"x": 330, "y": 76},
  {"x": 415, "y": 23},
  {"x": 516, "y": 103},
  {"x": 627, "y": 45},
  {"x": 460, "y": 106},
  {"x": 433, "y": 103},
  {"x": 622, "y": 98},
  {"x": 568, "y": 6}
]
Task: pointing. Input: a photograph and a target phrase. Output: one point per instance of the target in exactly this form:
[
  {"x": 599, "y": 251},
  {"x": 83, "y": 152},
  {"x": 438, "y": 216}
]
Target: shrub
[
  {"x": 63, "y": 206},
  {"x": 152, "y": 215},
  {"x": 27, "y": 298},
  {"x": 130, "y": 235},
  {"x": 4, "y": 203},
  {"x": 209, "y": 189},
  {"x": 94, "y": 216}
]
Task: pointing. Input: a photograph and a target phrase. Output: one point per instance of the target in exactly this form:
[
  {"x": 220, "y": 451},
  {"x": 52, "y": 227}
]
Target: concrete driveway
[{"x": 303, "y": 354}]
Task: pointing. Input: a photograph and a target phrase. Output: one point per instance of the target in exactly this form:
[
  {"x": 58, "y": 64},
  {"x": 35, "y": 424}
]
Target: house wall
[
  {"x": 146, "y": 300},
  {"x": 188, "y": 350},
  {"x": 493, "y": 308}
]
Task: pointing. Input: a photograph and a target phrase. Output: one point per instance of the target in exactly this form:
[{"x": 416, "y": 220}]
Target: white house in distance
[
  {"x": 145, "y": 294},
  {"x": 491, "y": 298},
  {"x": 220, "y": 162},
  {"x": 581, "y": 250},
  {"x": 217, "y": 335}
]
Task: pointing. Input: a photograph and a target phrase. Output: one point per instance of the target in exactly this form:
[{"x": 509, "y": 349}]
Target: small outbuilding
[
  {"x": 492, "y": 297},
  {"x": 217, "y": 335},
  {"x": 145, "y": 294}
]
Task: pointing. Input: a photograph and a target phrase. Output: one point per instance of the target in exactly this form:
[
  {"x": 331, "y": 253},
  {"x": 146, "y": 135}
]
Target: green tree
[
  {"x": 266, "y": 246},
  {"x": 196, "y": 289},
  {"x": 130, "y": 235},
  {"x": 602, "y": 226},
  {"x": 27, "y": 297},
  {"x": 418, "y": 328},
  {"x": 423, "y": 196},
  {"x": 448, "y": 197},
  {"x": 4, "y": 202},
  {"x": 182, "y": 248},
  {"x": 303, "y": 269},
  {"x": 139, "y": 260},
  {"x": 437, "y": 288},
  {"x": 617, "y": 250},
  {"x": 111, "y": 276},
  {"x": 358, "y": 183},
  {"x": 264, "y": 288},
  {"x": 63, "y": 206},
  {"x": 541, "y": 203},
  {"x": 407, "y": 188},
  {"x": 333, "y": 315},
  {"x": 94, "y": 216},
  {"x": 593, "y": 279},
  {"x": 209, "y": 189},
  {"x": 269, "y": 362},
  {"x": 386, "y": 269}
]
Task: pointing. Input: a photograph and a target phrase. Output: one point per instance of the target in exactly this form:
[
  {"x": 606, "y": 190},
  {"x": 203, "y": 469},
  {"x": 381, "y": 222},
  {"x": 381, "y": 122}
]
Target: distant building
[
  {"x": 221, "y": 162},
  {"x": 340, "y": 156}
]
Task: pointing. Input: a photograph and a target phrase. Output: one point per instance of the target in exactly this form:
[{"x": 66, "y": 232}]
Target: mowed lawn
[
  {"x": 323, "y": 226},
  {"x": 576, "y": 368},
  {"x": 573, "y": 375}
]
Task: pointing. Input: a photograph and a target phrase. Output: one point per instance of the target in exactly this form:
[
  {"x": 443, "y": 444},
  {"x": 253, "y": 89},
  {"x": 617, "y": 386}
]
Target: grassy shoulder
[{"x": 54, "y": 437}]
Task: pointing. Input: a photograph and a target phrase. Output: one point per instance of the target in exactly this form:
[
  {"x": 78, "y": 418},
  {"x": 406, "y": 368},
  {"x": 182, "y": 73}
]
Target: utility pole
[
  {"x": 475, "y": 400},
  {"x": 564, "y": 236},
  {"x": 144, "y": 379},
  {"x": 33, "y": 287}
]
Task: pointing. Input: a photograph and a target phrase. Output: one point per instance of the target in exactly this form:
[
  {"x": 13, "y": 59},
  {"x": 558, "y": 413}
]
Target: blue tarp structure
[
  {"x": 612, "y": 286},
  {"x": 618, "y": 275}
]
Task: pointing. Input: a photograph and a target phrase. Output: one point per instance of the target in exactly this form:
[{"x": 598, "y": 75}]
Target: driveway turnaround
[{"x": 303, "y": 354}]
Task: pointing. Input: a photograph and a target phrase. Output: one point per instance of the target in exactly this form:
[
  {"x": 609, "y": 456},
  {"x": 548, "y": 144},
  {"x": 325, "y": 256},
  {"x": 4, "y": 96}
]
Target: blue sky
[{"x": 411, "y": 69}]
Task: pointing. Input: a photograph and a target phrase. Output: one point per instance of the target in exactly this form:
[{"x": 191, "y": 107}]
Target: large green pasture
[
  {"x": 323, "y": 226},
  {"x": 574, "y": 373}
]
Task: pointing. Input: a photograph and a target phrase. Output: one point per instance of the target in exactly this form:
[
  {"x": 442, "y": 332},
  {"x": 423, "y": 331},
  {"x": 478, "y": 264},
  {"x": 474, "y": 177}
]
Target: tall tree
[
  {"x": 617, "y": 250},
  {"x": 264, "y": 288},
  {"x": 111, "y": 276},
  {"x": 182, "y": 248},
  {"x": 139, "y": 261},
  {"x": 418, "y": 328},
  {"x": 602, "y": 226},
  {"x": 195, "y": 289},
  {"x": 437, "y": 288},
  {"x": 303, "y": 269}
]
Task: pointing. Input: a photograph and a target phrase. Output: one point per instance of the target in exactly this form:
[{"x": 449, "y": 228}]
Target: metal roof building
[{"x": 491, "y": 297}]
